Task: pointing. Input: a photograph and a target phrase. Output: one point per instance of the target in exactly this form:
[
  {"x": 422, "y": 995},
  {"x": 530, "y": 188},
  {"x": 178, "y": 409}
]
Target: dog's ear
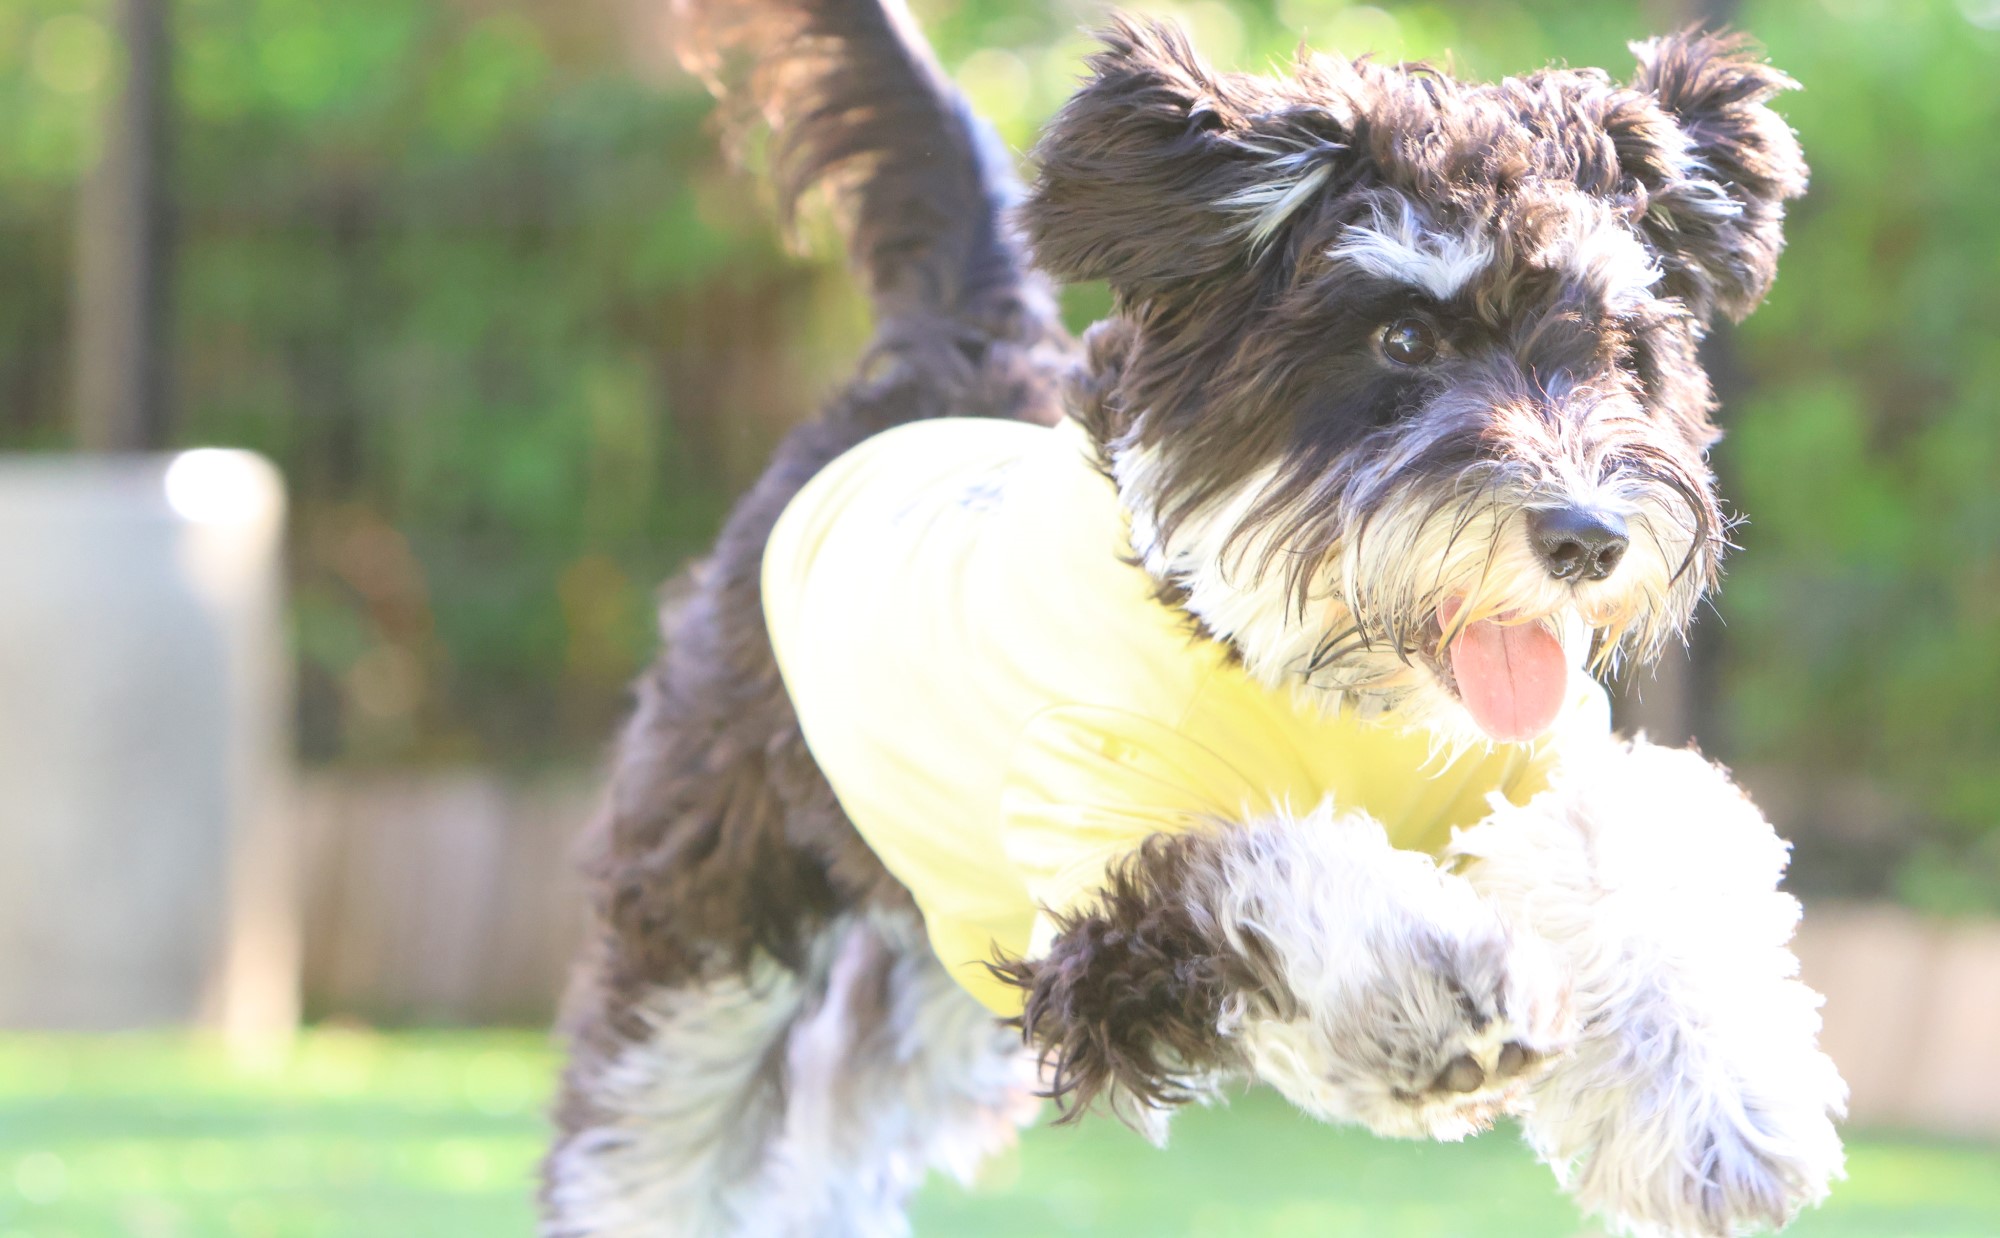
[
  {"x": 1718, "y": 177},
  {"x": 1161, "y": 171}
]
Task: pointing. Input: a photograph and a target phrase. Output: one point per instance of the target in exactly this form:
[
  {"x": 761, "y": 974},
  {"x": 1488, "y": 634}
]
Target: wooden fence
[
  {"x": 453, "y": 898},
  {"x": 440, "y": 898}
]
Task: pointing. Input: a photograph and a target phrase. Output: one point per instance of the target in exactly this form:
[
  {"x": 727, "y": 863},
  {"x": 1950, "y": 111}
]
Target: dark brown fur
[
  {"x": 1242, "y": 354},
  {"x": 1131, "y": 994},
  {"x": 720, "y": 839}
]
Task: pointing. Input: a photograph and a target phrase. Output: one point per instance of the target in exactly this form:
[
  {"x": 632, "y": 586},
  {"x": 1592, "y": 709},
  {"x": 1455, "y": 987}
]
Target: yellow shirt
[{"x": 1003, "y": 707}]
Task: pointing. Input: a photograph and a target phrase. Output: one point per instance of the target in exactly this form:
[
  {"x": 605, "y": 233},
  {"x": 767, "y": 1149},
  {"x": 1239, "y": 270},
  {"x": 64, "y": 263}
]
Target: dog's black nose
[{"x": 1577, "y": 543}]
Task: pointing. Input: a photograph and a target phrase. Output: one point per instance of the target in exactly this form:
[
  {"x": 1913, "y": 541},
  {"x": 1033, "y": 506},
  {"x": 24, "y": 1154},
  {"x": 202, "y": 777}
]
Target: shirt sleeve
[{"x": 1087, "y": 785}]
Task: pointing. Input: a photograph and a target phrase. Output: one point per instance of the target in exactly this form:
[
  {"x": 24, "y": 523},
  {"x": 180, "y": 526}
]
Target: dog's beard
[{"x": 1368, "y": 621}]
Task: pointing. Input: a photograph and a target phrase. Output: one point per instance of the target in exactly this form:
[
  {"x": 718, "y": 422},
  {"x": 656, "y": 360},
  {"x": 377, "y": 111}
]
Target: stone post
[{"x": 146, "y": 866}]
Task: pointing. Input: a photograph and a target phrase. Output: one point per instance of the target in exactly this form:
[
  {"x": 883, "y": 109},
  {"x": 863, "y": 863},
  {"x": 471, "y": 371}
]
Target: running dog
[{"x": 1210, "y": 699}]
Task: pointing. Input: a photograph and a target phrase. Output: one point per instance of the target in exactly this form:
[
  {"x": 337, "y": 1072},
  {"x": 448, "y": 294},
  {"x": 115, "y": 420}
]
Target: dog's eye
[{"x": 1409, "y": 341}]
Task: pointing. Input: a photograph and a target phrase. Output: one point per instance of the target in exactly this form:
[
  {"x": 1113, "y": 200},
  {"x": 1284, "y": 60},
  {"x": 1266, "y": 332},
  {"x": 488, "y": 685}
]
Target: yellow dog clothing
[{"x": 1004, "y": 707}]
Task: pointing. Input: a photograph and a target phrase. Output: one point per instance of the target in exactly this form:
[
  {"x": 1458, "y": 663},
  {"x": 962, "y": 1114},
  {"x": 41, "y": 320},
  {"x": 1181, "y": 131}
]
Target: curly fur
[
  {"x": 760, "y": 1040},
  {"x": 1262, "y": 449},
  {"x": 721, "y": 865},
  {"x": 1697, "y": 1101},
  {"x": 1304, "y": 950},
  {"x": 1128, "y": 1003}
]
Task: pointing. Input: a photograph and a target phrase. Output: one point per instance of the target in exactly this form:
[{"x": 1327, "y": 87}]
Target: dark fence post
[{"x": 122, "y": 384}]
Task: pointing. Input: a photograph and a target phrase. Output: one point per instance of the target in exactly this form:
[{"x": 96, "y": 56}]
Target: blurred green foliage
[{"x": 474, "y": 273}]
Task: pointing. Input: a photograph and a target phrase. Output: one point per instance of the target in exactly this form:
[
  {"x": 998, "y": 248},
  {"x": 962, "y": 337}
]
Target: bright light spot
[
  {"x": 465, "y": 1165},
  {"x": 1062, "y": 69},
  {"x": 496, "y": 1083},
  {"x": 1984, "y": 14},
  {"x": 997, "y": 82},
  {"x": 1308, "y": 18},
  {"x": 41, "y": 1177},
  {"x": 212, "y": 485},
  {"x": 1215, "y": 29},
  {"x": 1336, "y": 29},
  {"x": 71, "y": 53},
  {"x": 1364, "y": 30},
  {"x": 208, "y": 1167}
]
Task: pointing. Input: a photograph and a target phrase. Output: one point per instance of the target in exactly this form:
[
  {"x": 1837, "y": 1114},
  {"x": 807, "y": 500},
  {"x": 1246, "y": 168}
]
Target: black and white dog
[{"x": 1399, "y": 422}]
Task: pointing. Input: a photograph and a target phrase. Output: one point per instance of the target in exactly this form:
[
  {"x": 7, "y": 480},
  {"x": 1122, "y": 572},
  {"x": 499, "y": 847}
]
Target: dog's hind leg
[
  {"x": 780, "y": 1102},
  {"x": 760, "y": 1040},
  {"x": 671, "y": 1102},
  {"x": 895, "y": 1072}
]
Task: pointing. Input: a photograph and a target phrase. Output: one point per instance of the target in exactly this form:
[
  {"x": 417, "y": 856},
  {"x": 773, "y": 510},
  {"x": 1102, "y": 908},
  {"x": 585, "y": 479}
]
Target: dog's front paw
[
  {"x": 1696, "y": 1102},
  {"x": 1667, "y": 1129},
  {"x": 1395, "y": 997}
]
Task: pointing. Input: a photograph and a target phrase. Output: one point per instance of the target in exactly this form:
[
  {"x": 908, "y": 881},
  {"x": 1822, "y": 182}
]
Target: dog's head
[{"x": 1402, "y": 392}]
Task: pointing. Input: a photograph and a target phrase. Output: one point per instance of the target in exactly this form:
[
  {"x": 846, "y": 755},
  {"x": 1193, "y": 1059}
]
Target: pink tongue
[{"x": 1512, "y": 677}]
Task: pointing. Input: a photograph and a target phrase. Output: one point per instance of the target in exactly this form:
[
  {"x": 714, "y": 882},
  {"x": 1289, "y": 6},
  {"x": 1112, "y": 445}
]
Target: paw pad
[
  {"x": 1465, "y": 1073},
  {"x": 1514, "y": 1058}
]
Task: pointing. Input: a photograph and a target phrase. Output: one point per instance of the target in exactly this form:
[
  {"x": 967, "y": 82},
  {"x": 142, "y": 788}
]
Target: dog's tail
[{"x": 856, "y": 105}]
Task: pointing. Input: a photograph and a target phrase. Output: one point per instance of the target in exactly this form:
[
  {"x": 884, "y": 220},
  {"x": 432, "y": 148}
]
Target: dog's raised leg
[
  {"x": 1696, "y": 1102},
  {"x": 1359, "y": 980}
]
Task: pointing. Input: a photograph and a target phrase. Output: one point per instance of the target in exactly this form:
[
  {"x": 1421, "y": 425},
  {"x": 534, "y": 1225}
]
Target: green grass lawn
[{"x": 434, "y": 1135}]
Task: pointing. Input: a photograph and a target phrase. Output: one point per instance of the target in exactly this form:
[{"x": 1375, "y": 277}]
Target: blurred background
[{"x": 366, "y": 368}]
